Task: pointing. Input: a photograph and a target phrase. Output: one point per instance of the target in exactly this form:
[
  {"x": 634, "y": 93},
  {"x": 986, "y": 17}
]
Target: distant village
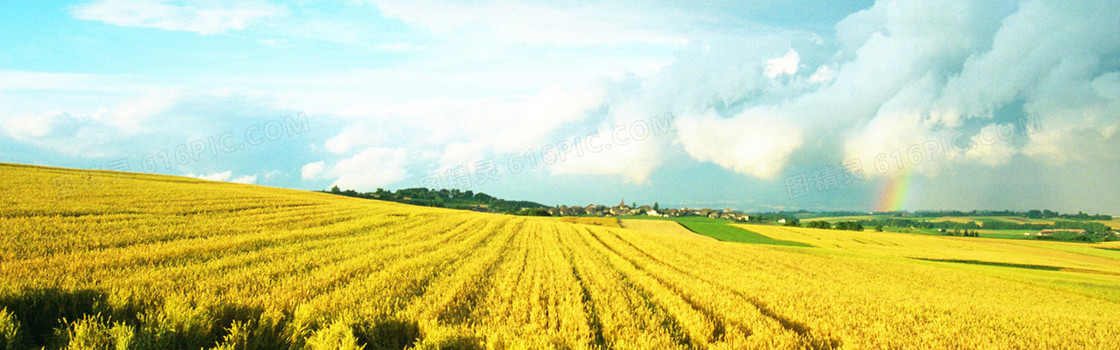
[
  {"x": 622, "y": 209},
  {"x": 1075, "y": 227}
]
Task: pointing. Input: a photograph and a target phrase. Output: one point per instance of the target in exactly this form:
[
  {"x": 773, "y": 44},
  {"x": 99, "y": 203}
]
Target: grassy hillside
[{"x": 92, "y": 259}]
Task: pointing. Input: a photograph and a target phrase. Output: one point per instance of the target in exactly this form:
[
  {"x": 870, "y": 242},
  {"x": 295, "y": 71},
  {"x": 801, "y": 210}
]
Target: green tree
[
  {"x": 336, "y": 190},
  {"x": 655, "y": 206},
  {"x": 533, "y": 212},
  {"x": 819, "y": 224}
]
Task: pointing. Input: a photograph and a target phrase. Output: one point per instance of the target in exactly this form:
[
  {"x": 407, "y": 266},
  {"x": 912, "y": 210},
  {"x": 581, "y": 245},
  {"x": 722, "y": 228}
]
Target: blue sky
[{"x": 754, "y": 105}]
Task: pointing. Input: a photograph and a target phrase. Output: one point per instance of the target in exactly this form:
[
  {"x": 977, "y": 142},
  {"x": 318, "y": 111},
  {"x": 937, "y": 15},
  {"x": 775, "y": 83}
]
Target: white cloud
[
  {"x": 755, "y": 143},
  {"x": 131, "y": 115},
  {"x": 226, "y": 176},
  {"x": 62, "y": 132},
  {"x": 1038, "y": 53},
  {"x": 32, "y": 126},
  {"x": 518, "y": 124},
  {"x": 633, "y": 149},
  {"x": 311, "y": 170},
  {"x": 910, "y": 75},
  {"x": 822, "y": 75},
  {"x": 356, "y": 135},
  {"x": 467, "y": 131},
  {"x": 372, "y": 168},
  {"x": 463, "y": 154},
  {"x": 707, "y": 77},
  {"x": 992, "y": 145},
  {"x": 247, "y": 179},
  {"x": 218, "y": 176},
  {"x": 1052, "y": 146},
  {"x": 785, "y": 65},
  {"x": 203, "y": 17}
]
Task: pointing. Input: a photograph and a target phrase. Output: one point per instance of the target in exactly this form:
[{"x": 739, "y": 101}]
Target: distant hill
[{"x": 446, "y": 198}]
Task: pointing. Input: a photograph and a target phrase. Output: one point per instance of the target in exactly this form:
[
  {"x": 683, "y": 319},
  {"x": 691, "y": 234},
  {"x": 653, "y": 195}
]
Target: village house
[
  {"x": 624, "y": 209},
  {"x": 594, "y": 210}
]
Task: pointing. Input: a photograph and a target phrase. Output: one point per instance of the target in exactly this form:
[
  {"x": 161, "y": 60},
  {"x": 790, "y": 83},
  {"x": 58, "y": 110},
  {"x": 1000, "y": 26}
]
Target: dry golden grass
[
  {"x": 1114, "y": 223},
  {"x": 961, "y": 220},
  {"x": 595, "y": 221},
  {"x": 660, "y": 226}
]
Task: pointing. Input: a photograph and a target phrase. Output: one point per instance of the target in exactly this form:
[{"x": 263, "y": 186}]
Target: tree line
[
  {"x": 1032, "y": 214},
  {"x": 843, "y": 225},
  {"x": 448, "y": 198}
]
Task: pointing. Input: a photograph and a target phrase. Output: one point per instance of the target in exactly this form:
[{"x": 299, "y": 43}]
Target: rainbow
[{"x": 893, "y": 193}]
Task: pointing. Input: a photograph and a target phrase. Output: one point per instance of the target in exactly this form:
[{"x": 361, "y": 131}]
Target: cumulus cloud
[
  {"x": 128, "y": 116},
  {"x": 77, "y": 135},
  {"x": 247, "y": 179},
  {"x": 702, "y": 97},
  {"x": 151, "y": 122},
  {"x": 218, "y": 176},
  {"x": 629, "y": 145},
  {"x": 997, "y": 59},
  {"x": 310, "y": 171},
  {"x": 32, "y": 126},
  {"x": 226, "y": 176},
  {"x": 906, "y": 86},
  {"x": 785, "y": 65},
  {"x": 371, "y": 168},
  {"x": 755, "y": 143},
  {"x": 203, "y": 17},
  {"x": 908, "y": 75},
  {"x": 822, "y": 75},
  {"x": 467, "y": 131},
  {"x": 988, "y": 151}
]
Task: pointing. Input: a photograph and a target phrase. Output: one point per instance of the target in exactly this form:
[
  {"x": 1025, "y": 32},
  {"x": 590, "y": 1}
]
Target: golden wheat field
[
  {"x": 659, "y": 226},
  {"x": 106, "y": 260}
]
